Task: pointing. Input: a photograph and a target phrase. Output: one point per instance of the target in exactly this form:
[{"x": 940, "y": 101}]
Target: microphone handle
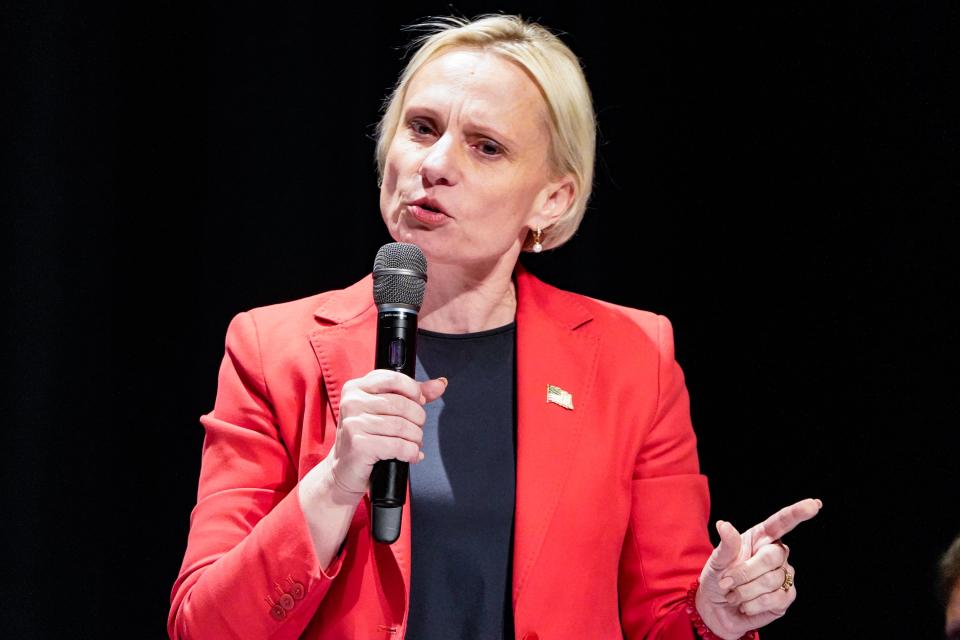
[{"x": 396, "y": 350}]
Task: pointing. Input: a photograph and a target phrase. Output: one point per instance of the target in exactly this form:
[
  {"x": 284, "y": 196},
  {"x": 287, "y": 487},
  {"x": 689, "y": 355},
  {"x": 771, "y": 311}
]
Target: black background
[{"x": 780, "y": 182}]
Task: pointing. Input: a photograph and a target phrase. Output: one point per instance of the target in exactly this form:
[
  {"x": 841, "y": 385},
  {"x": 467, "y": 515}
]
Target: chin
[
  {"x": 434, "y": 249},
  {"x": 416, "y": 234},
  {"x": 423, "y": 240}
]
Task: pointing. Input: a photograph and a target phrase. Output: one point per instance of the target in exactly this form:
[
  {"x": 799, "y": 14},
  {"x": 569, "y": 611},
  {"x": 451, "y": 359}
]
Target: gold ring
[{"x": 787, "y": 580}]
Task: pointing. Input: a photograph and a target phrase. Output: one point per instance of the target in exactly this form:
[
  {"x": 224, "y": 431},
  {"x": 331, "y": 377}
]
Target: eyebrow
[{"x": 482, "y": 128}]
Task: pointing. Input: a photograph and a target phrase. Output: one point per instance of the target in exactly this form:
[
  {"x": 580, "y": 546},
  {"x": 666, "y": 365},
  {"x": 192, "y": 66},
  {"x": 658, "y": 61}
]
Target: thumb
[
  {"x": 433, "y": 389},
  {"x": 729, "y": 548}
]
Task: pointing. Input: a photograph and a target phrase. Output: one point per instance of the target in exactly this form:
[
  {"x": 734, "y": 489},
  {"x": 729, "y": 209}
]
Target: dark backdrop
[{"x": 780, "y": 182}]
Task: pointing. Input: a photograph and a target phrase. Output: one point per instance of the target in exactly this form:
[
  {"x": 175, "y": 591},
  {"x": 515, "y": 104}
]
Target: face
[{"x": 473, "y": 138}]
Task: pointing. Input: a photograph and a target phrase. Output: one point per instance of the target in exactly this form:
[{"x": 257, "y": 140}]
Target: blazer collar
[
  {"x": 533, "y": 297},
  {"x": 346, "y": 304}
]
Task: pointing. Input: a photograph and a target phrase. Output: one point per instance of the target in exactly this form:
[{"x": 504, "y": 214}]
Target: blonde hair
[{"x": 557, "y": 72}]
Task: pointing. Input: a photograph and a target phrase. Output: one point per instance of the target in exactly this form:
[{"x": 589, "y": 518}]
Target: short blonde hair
[{"x": 557, "y": 72}]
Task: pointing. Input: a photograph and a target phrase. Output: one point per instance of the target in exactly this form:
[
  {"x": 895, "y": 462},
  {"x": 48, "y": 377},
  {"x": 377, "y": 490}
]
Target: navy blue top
[{"x": 462, "y": 493}]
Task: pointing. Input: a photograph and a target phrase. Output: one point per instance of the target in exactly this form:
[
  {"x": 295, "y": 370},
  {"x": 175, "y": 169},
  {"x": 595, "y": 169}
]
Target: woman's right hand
[{"x": 381, "y": 418}]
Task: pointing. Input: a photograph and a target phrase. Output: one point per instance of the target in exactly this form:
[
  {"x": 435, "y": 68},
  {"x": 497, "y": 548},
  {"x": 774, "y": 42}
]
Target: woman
[{"x": 485, "y": 150}]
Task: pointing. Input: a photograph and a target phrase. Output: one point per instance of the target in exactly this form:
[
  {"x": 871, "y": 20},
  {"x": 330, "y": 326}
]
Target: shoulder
[
  {"x": 627, "y": 318},
  {"x": 282, "y": 325},
  {"x": 644, "y": 329},
  {"x": 633, "y": 324},
  {"x": 280, "y": 318}
]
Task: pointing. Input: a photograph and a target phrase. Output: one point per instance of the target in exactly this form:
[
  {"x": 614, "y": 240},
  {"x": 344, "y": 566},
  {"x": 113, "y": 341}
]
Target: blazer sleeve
[
  {"x": 248, "y": 544},
  {"x": 666, "y": 543}
]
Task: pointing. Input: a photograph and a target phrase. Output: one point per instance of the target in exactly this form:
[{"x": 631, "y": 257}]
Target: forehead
[{"x": 482, "y": 85}]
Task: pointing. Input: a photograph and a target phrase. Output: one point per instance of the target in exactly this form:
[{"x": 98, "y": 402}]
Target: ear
[{"x": 553, "y": 201}]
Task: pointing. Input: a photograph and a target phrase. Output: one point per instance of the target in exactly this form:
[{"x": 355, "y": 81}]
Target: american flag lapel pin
[{"x": 558, "y": 396}]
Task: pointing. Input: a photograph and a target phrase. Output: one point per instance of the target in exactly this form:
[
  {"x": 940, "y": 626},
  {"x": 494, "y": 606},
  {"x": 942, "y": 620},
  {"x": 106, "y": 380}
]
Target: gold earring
[{"x": 537, "y": 247}]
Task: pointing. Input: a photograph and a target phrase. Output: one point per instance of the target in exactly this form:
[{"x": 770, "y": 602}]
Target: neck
[{"x": 469, "y": 298}]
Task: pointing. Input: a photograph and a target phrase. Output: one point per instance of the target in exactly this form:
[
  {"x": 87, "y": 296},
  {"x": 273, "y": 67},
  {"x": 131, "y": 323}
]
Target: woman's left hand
[{"x": 747, "y": 582}]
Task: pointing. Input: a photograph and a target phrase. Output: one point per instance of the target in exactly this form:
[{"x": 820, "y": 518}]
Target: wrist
[
  {"x": 327, "y": 512},
  {"x": 321, "y": 485},
  {"x": 703, "y": 631}
]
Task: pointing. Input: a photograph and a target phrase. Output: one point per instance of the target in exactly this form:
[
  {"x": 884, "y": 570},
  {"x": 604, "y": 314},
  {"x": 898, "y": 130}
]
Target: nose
[{"x": 441, "y": 164}]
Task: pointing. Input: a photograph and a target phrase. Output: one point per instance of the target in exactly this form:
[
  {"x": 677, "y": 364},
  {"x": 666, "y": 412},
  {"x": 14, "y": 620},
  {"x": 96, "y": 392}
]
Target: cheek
[
  {"x": 392, "y": 170},
  {"x": 525, "y": 190},
  {"x": 400, "y": 163},
  {"x": 389, "y": 186}
]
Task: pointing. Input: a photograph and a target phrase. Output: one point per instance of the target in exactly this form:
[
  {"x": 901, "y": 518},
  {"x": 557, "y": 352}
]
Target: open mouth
[
  {"x": 427, "y": 205},
  {"x": 428, "y": 215}
]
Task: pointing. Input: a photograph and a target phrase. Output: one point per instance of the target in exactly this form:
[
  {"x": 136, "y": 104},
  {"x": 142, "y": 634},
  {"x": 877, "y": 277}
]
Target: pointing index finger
[{"x": 785, "y": 520}]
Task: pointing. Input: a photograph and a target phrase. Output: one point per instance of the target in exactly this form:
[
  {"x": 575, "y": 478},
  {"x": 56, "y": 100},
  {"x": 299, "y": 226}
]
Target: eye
[
  {"x": 493, "y": 148},
  {"x": 419, "y": 127}
]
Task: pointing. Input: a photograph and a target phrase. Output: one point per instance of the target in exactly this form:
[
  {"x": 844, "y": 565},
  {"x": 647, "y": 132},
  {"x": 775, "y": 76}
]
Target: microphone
[{"x": 399, "y": 281}]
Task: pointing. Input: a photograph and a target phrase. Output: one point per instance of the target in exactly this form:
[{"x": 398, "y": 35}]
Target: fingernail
[
  {"x": 423, "y": 398},
  {"x": 819, "y": 503},
  {"x": 731, "y": 597},
  {"x": 719, "y": 522},
  {"x": 445, "y": 381},
  {"x": 726, "y": 583}
]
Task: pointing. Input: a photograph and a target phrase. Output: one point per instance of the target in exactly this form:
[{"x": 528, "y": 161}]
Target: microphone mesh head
[{"x": 397, "y": 288}]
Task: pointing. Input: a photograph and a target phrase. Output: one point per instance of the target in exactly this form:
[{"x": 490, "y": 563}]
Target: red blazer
[{"x": 611, "y": 508}]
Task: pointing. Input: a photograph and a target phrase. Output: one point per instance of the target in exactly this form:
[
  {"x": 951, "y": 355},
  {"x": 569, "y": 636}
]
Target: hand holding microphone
[
  {"x": 381, "y": 414},
  {"x": 399, "y": 283},
  {"x": 380, "y": 431},
  {"x": 381, "y": 418}
]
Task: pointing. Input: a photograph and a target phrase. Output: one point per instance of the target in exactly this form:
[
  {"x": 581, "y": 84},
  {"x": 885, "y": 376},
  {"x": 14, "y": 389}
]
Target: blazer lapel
[
  {"x": 550, "y": 351},
  {"x": 344, "y": 339},
  {"x": 344, "y": 344}
]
